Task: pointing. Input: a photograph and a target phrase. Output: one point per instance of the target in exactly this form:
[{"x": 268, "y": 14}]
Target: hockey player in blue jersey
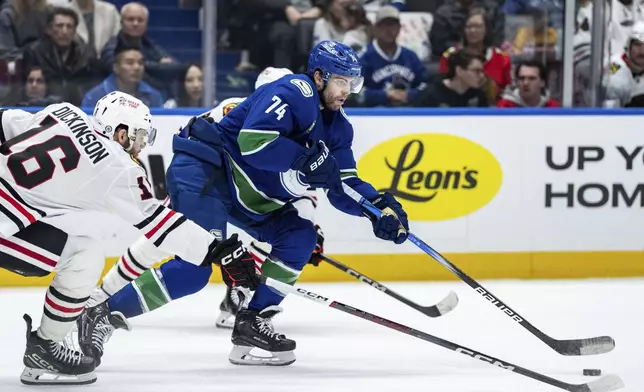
[{"x": 288, "y": 136}]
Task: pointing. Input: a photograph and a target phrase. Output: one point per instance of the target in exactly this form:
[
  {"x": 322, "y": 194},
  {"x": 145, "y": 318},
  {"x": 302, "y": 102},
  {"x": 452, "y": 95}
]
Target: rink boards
[{"x": 503, "y": 194}]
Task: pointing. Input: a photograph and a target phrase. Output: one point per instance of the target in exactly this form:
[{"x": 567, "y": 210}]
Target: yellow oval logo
[{"x": 434, "y": 176}]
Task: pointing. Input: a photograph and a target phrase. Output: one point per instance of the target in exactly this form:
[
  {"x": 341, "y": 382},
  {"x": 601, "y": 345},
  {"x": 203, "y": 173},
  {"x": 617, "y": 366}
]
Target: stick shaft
[
  {"x": 458, "y": 272},
  {"x": 304, "y": 293},
  {"x": 431, "y": 311}
]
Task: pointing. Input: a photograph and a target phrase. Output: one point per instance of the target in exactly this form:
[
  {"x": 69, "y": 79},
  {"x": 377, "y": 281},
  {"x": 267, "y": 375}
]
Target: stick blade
[
  {"x": 445, "y": 306},
  {"x": 590, "y": 346},
  {"x": 607, "y": 383}
]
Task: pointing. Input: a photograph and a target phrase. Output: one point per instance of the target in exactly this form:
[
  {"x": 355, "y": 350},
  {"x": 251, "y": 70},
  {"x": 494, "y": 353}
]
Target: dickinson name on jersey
[{"x": 84, "y": 133}]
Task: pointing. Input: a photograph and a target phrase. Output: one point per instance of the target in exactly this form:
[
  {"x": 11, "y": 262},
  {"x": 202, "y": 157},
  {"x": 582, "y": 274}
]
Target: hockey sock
[
  {"x": 277, "y": 270},
  {"x": 76, "y": 276},
  {"x": 146, "y": 293},
  {"x": 62, "y": 308},
  {"x": 138, "y": 258}
]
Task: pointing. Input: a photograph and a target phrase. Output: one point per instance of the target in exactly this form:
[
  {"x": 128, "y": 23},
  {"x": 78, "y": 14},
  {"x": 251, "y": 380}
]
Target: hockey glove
[
  {"x": 392, "y": 224},
  {"x": 203, "y": 124},
  {"x": 237, "y": 265},
  {"x": 319, "y": 247},
  {"x": 320, "y": 168}
]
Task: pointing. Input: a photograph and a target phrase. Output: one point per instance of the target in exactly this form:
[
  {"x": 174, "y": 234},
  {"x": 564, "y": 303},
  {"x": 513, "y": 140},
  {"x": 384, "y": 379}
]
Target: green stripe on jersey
[
  {"x": 250, "y": 197},
  {"x": 276, "y": 269},
  {"x": 251, "y": 141},
  {"x": 347, "y": 173},
  {"x": 151, "y": 290}
]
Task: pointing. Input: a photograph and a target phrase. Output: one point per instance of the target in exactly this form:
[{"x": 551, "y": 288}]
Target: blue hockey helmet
[{"x": 336, "y": 58}]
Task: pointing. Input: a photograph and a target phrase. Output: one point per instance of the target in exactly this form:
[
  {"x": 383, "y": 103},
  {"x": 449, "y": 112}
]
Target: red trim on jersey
[
  {"x": 156, "y": 228},
  {"x": 62, "y": 308},
  {"x": 17, "y": 206},
  {"x": 128, "y": 268},
  {"x": 28, "y": 252}
]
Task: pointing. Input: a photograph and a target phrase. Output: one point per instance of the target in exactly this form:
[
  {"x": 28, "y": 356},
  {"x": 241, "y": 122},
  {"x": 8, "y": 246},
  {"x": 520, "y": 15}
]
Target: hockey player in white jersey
[
  {"x": 58, "y": 163},
  {"x": 625, "y": 80},
  {"x": 95, "y": 325}
]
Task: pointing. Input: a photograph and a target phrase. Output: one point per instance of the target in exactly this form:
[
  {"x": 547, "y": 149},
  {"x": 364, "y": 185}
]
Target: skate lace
[
  {"x": 102, "y": 333},
  {"x": 265, "y": 327},
  {"x": 65, "y": 354}
]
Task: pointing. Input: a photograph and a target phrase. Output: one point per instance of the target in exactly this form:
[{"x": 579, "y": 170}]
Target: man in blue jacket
[
  {"x": 393, "y": 74},
  {"x": 127, "y": 76}
]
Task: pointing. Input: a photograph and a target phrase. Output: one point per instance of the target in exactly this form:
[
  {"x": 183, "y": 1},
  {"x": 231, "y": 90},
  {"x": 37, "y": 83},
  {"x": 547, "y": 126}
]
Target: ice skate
[
  {"x": 234, "y": 300},
  {"x": 50, "y": 363},
  {"x": 254, "y": 330},
  {"x": 95, "y": 327}
]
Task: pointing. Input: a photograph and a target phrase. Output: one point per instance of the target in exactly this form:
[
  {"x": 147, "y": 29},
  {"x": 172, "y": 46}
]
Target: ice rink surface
[{"x": 178, "y": 349}]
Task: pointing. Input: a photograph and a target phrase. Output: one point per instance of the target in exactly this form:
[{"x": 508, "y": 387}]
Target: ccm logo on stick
[
  {"x": 483, "y": 358},
  {"x": 312, "y": 294},
  {"x": 366, "y": 280}
]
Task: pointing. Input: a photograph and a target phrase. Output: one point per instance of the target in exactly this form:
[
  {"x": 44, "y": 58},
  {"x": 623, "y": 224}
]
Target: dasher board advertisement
[{"x": 524, "y": 196}]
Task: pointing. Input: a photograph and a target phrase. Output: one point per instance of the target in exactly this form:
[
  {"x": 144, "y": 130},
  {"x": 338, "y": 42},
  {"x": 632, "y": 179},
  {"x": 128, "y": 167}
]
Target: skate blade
[
  {"x": 241, "y": 355},
  {"x": 31, "y": 376},
  {"x": 226, "y": 320}
]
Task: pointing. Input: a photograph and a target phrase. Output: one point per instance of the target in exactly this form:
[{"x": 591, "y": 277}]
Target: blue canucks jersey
[
  {"x": 266, "y": 133},
  {"x": 403, "y": 71}
]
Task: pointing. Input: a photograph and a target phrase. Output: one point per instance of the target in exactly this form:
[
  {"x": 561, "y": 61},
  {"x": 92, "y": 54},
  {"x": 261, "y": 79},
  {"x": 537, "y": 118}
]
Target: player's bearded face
[{"x": 337, "y": 91}]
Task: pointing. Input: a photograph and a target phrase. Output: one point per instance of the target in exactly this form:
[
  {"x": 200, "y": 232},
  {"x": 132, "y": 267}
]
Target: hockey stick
[
  {"x": 588, "y": 346},
  {"x": 604, "y": 384},
  {"x": 445, "y": 306}
]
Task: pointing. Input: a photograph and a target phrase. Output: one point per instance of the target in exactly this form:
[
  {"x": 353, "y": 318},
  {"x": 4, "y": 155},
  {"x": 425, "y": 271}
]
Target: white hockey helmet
[
  {"x": 636, "y": 34},
  {"x": 118, "y": 109},
  {"x": 271, "y": 74}
]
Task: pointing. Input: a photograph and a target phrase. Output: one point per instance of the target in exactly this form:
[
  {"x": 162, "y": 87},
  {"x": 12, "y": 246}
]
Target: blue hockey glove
[
  {"x": 198, "y": 125},
  {"x": 320, "y": 168},
  {"x": 392, "y": 224}
]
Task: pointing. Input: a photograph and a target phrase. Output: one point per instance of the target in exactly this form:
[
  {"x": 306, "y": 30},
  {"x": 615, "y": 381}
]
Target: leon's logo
[{"x": 434, "y": 176}]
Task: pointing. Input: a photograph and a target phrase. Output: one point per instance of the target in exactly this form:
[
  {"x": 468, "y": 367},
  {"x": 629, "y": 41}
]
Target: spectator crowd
[
  {"x": 424, "y": 53},
  {"x": 79, "y": 50}
]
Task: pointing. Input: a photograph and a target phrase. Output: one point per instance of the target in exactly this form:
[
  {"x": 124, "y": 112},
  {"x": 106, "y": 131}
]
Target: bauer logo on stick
[{"x": 434, "y": 176}]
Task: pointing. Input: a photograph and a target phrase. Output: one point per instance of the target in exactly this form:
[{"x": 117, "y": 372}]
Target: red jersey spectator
[
  {"x": 477, "y": 41},
  {"x": 531, "y": 76}
]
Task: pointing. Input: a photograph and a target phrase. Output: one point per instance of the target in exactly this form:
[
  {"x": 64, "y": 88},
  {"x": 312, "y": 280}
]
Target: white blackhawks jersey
[
  {"x": 54, "y": 163},
  {"x": 621, "y": 84},
  {"x": 223, "y": 108}
]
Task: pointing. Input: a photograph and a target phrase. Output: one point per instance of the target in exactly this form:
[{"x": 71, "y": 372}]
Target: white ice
[{"x": 177, "y": 348}]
